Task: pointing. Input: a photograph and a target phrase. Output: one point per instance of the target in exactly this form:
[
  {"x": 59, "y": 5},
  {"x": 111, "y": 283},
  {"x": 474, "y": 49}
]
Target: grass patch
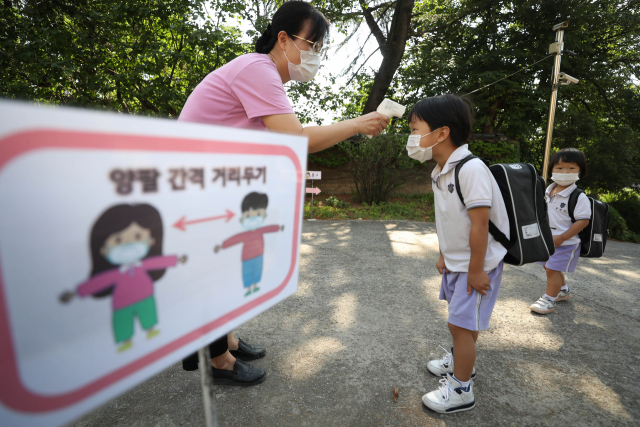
[{"x": 417, "y": 207}]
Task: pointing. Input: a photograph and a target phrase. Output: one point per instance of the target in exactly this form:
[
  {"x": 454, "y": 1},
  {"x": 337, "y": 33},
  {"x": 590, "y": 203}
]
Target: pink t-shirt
[{"x": 238, "y": 94}]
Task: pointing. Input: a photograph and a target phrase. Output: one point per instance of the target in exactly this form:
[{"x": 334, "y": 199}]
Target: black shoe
[
  {"x": 248, "y": 352},
  {"x": 243, "y": 375}
]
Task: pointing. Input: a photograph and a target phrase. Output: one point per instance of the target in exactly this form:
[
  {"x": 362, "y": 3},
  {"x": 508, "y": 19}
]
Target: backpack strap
[
  {"x": 573, "y": 201},
  {"x": 495, "y": 231}
]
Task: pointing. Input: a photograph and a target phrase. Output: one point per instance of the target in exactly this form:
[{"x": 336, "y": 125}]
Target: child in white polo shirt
[
  {"x": 565, "y": 168},
  {"x": 470, "y": 259}
]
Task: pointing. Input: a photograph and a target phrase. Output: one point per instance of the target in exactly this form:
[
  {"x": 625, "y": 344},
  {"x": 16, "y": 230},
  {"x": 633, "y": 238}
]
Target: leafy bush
[
  {"x": 627, "y": 203},
  {"x": 334, "y": 202},
  {"x": 617, "y": 225},
  {"x": 332, "y": 157},
  {"x": 498, "y": 151},
  {"x": 377, "y": 165}
]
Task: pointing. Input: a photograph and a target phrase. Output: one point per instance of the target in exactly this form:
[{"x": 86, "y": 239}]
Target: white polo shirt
[
  {"x": 453, "y": 224},
  {"x": 558, "y": 206}
]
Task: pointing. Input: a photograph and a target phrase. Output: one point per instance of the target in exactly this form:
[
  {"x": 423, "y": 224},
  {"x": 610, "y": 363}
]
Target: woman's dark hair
[
  {"x": 445, "y": 110},
  {"x": 255, "y": 201},
  {"x": 569, "y": 155},
  {"x": 291, "y": 18},
  {"x": 116, "y": 219}
]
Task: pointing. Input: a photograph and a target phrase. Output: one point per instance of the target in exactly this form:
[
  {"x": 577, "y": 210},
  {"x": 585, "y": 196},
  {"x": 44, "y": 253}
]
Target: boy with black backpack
[
  {"x": 471, "y": 259},
  {"x": 569, "y": 213}
]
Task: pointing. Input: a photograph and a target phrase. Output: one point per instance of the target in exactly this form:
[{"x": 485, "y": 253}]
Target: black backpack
[
  {"x": 523, "y": 194},
  {"x": 593, "y": 237}
]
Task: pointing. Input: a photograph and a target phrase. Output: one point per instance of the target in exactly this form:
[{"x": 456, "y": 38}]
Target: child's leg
[
  {"x": 555, "y": 280},
  {"x": 464, "y": 351}
]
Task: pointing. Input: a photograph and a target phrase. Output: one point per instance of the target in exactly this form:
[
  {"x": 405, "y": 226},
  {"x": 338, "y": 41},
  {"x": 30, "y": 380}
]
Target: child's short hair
[
  {"x": 569, "y": 155},
  {"x": 255, "y": 201},
  {"x": 445, "y": 110}
]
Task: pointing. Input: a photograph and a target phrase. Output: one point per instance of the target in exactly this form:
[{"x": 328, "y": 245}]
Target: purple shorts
[
  {"x": 473, "y": 311},
  {"x": 564, "y": 259}
]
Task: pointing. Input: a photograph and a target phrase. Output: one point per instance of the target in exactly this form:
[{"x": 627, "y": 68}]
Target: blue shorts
[
  {"x": 252, "y": 271},
  {"x": 564, "y": 259},
  {"x": 473, "y": 311}
]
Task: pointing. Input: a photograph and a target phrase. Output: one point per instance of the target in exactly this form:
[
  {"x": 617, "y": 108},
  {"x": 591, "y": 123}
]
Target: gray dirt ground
[{"x": 367, "y": 318}]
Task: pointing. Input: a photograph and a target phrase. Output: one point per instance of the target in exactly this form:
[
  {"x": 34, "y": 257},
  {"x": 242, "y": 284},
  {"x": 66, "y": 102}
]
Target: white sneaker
[
  {"x": 543, "y": 306},
  {"x": 444, "y": 366},
  {"x": 563, "y": 295},
  {"x": 449, "y": 397}
]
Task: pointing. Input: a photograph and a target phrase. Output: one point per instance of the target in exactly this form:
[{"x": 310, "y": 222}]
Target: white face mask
[
  {"x": 416, "y": 152},
  {"x": 308, "y": 68},
  {"x": 128, "y": 253},
  {"x": 564, "y": 179}
]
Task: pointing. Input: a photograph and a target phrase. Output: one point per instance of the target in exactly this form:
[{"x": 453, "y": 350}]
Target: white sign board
[
  {"x": 315, "y": 175},
  {"x": 109, "y": 226}
]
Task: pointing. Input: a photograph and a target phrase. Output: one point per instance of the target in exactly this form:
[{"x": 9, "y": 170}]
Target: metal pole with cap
[{"x": 554, "y": 48}]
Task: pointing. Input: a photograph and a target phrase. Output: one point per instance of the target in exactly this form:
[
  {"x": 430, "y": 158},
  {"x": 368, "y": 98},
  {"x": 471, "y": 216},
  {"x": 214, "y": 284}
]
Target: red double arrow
[
  {"x": 314, "y": 190},
  {"x": 182, "y": 222}
]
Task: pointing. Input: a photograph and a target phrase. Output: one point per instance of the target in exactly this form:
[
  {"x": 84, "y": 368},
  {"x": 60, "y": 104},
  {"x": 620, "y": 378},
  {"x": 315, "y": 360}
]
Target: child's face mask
[
  {"x": 416, "y": 152},
  {"x": 564, "y": 179},
  {"x": 128, "y": 253},
  {"x": 252, "y": 222}
]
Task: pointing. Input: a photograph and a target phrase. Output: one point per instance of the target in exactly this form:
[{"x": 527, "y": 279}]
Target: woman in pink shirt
[{"x": 248, "y": 92}]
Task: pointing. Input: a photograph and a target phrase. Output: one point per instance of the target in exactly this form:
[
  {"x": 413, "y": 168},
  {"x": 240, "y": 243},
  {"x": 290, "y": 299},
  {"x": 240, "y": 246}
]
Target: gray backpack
[{"x": 523, "y": 194}]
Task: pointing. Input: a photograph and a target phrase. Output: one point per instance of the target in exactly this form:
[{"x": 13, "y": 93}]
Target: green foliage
[
  {"x": 498, "y": 151},
  {"x": 406, "y": 207},
  {"x": 376, "y": 165},
  {"x": 134, "y": 56},
  {"x": 334, "y": 202},
  {"x": 627, "y": 204},
  {"x": 617, "y": 225},
  {"x": 332, "y": 157}
]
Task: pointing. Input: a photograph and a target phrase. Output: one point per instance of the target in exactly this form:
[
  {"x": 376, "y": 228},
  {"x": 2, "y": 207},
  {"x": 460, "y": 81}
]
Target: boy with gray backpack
[{"x": 471, "y": 259}]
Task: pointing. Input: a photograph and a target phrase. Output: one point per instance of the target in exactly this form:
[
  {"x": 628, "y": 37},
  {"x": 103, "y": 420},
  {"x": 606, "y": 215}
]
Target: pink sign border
[{"x": 12, "y": 392}]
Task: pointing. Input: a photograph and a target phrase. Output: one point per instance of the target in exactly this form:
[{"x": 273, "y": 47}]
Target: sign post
[
  {"x": 123, "y": 249},
  {"x": 313, "y": 175}
]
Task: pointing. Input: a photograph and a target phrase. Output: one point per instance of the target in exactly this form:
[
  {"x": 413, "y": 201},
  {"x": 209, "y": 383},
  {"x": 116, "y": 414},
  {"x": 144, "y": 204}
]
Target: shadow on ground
[{"x": 367, "y": 318}]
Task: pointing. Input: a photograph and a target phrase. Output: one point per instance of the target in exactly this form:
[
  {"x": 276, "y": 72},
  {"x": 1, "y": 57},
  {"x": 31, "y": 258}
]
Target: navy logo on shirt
[
  {"x": 562, "y": 205},
  {"x": 451, "y": 187}
]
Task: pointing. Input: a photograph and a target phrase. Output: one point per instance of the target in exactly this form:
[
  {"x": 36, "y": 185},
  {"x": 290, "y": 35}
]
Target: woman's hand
[{"x": 372, "y": 123}]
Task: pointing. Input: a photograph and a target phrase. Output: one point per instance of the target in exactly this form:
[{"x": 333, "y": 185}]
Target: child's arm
[
  {"x": 477, "y": 278},
  {"x": 98, "y": 282},
  {"x": 575, "y": 228},
  {"x": 159, "y": 262}
]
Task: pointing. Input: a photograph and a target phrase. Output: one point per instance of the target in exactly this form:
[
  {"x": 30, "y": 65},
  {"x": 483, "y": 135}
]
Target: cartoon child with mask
[
  {"x": 126, "y": 252},
  {"x": 254, "y": 212}
]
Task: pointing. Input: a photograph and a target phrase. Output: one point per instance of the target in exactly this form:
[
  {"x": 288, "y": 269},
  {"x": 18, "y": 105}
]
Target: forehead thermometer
[{"x": 391, "y": 109}]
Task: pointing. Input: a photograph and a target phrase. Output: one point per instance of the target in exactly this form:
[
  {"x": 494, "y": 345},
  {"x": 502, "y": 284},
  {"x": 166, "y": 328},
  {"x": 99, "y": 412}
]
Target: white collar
[
  {"x": 455, "y": 157},
  {"x": 564, "y": 193},
  {"x": 126, "y": 267}
]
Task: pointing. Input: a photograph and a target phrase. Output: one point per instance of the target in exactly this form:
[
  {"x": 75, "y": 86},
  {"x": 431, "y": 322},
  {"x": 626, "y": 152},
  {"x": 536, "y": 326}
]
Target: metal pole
[
  {"x": 206, "y": 380},
  {"x": 311, "y": 200},
  {"x": 554, "y": 97}
]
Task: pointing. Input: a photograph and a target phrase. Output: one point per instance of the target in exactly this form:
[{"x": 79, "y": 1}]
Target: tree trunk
[
  {"x": 392, "y": 49},
  {"x": 491, "y": 119}
]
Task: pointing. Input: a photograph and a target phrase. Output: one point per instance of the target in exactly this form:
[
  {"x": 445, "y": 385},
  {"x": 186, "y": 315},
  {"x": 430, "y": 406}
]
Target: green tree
[{"x": 135, "y": 56}]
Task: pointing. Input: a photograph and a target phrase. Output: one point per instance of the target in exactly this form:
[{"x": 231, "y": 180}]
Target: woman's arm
[{"x": 322, "y": 137}]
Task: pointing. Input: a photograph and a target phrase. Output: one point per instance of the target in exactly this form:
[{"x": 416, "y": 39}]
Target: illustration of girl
[{"x": 126, "y": 252}]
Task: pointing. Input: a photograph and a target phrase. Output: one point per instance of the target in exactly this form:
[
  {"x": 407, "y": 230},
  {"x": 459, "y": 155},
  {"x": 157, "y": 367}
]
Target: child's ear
[
  {"x": 104, "y": 251},
  {"x": 152, "y": 241}
]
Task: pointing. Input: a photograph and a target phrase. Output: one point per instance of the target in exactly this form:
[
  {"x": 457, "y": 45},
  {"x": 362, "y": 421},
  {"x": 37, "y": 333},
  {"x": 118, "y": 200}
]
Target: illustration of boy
[
  {"x": 254, "y": 213},
  {"x": 471, "y": 260}
]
